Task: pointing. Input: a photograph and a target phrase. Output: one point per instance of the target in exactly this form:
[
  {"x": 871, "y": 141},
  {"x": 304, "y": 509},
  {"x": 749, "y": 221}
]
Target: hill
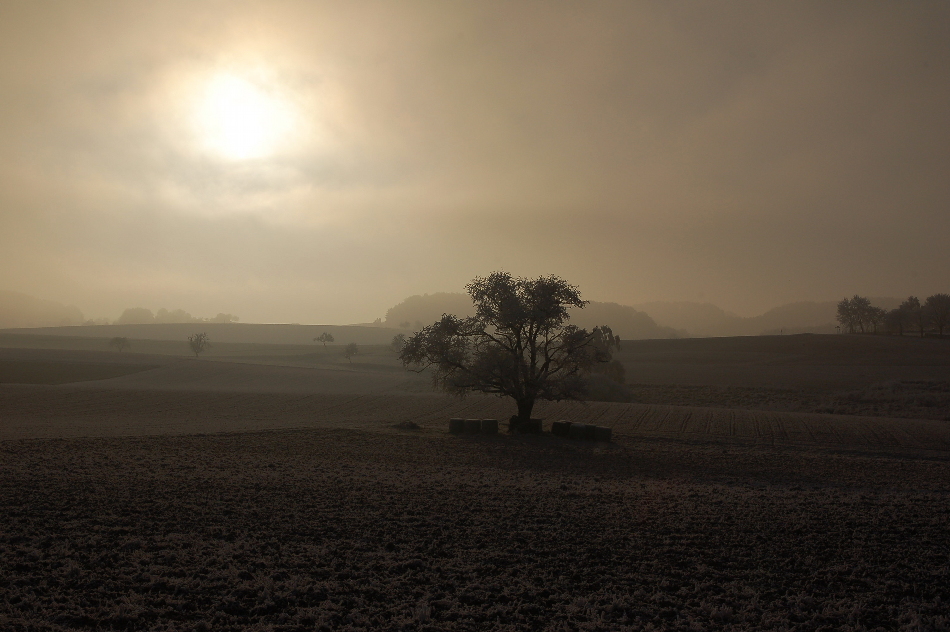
[
  {"x": 22, "y": 310},
  {"x": 221, "y": 333},
  {"x": 417, "y": 311},
  {"x": 706, "y": 319}
]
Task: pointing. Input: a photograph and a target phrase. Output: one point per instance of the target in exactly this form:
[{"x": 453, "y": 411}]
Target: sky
[{"x": 320, "y": 162}]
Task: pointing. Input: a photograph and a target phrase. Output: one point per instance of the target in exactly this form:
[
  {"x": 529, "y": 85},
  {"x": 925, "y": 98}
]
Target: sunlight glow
[{"x": 240, "y": 120}]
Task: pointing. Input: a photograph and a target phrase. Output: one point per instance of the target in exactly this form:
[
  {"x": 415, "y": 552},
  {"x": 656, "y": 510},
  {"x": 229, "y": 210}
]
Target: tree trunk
[{"x": 525, "y": 406}]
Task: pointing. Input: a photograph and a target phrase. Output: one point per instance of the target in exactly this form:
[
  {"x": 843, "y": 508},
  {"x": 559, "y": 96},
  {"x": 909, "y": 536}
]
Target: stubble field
[{"x": 217, "y": 496}]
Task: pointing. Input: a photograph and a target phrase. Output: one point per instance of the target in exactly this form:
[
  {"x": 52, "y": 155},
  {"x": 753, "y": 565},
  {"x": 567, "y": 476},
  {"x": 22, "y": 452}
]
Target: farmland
[{"x": 277, "y": 491}]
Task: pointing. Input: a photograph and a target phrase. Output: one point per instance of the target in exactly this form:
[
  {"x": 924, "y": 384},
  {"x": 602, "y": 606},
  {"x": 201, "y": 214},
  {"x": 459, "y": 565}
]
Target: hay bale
[
  {"x": 473, "y": 426},
  {"x": 456, "y": 425},
  {"x": 590, "y": 433},
  {"x": 560, "y": 428},
  {"x": 489, "y": 426},
  {"x": 602, "y": 433},
  {"x": 576, "y": 431}
]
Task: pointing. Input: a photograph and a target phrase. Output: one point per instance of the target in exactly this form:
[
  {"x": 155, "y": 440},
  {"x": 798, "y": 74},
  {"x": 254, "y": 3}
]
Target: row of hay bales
[{"x": 562, "y": 428}]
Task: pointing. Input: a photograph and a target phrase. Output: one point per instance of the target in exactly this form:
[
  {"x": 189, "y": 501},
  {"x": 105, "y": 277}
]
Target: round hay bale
[
  {"x": 456, "y": 425},
  {"x": 602, "y": 433},
  {"x": 489, "y": 426},
  {"x": 560, "y": 428},
  {"x": 590, "y": 433},
  {"x": 473, "y": 426},
  {"x": 576, "y": 431}
]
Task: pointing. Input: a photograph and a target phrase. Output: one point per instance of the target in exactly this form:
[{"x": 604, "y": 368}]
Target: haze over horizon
[{"x": 320, "y": 162}]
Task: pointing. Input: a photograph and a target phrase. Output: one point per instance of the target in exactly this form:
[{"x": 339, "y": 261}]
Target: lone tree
[
  {"x": 350, "y": 350},
  {"x": 120, "y": 343},
  {"x": 517, "y": 345},
  {"x": 199, "y": 343},
  {"x": 324, "y": 338}
]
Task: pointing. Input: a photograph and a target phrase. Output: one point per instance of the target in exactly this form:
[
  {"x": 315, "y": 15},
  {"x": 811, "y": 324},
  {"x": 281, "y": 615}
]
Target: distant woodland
[
  {"x": 932, "y": 316},
  {"x": 22, "y": 310},
  {"x": 655, "y": 320}
]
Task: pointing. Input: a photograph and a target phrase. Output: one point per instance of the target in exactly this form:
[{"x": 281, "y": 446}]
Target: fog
[{"x": 744, "y": 154}]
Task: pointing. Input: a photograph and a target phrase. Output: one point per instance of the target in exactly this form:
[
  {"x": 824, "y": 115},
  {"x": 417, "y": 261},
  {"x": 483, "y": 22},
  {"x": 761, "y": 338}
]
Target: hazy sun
[{"x": 240, "y": 120}]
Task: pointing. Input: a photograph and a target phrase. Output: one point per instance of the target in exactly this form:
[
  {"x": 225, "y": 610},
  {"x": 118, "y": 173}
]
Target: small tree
[
  {"x": 937, "y": 308},
  {"x": 517, "y": 345},
  {"x": 895, "y": 321},
  {"x": 398, "y": 342},
  {"x": 199, "y": 343},
  {"x": 915, "y": 313},
  {"x": 324, "y": 338},
  {"x": 350, "y": 350},
  {"x": 120, "y": 343},
  {"x": 847, "y": 315}
]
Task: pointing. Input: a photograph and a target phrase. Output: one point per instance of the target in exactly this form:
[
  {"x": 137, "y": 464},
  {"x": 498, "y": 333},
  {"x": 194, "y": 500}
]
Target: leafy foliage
[
  {"x": 938, "y": 311},
  {"x": 398, "y": 342},
  {"x": 120, "y": 343},
  {"x": 324, "y": 338},
  {"x": 350, "y": 350},
  {"x": 857, "y": 314},
  {"x": 199, "y": 343},
  {"x": 517, "y": 345}
]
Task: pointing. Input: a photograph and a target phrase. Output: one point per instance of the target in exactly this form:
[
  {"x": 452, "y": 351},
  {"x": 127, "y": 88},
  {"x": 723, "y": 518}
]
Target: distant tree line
[
  {"x": 857, "y": 315},
  {"x": 143, "y": 316}
]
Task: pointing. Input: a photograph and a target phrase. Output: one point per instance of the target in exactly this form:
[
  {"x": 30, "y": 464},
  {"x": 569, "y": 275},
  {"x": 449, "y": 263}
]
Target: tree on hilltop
[
  {"x": 199, "y": 343},
  {"x": 324, "y": 338},
  {"x": 350, "y": 350},
  {"x": 518, "y": 344},
  {"x": 120, "y": 343}
]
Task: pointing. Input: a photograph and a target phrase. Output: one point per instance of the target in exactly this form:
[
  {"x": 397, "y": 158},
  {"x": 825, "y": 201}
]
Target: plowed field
[{"x": 216, "y": 496}]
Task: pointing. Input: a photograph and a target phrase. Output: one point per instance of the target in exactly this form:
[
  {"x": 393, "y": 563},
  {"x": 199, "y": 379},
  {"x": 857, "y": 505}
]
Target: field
[{"x": 288, "y": 489}]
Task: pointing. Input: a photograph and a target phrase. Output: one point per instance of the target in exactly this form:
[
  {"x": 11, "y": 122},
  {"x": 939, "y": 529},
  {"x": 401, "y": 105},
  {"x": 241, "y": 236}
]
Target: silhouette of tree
[
  {"x": 875, "y": 316},
  {"x": 199, "y": 343},
  {"x": 847, "y": 314},
  {"x": 324, "y": 338},
  {"x": 915, "y": 313},
  {"x": 937, "y": 308},
  {"x": 120, "y": 343},
  {"x": 857, "y": 313},
  {"x": 517, "y": 345},
  {"x": 350, "y": 350},
  {"x": 398, "y": 342},
  {"x": 605, "y": 337}
]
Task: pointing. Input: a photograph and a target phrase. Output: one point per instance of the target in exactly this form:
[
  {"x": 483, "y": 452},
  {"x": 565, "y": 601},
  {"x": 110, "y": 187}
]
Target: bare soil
[
  {"x": 274, "y": 495},
  {"x": 345, "y": 529}
]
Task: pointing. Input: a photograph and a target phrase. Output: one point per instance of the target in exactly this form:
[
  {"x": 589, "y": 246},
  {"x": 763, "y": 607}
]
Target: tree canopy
[
  {"x": 199, "y": 343},
  {"x": 324, "y": 338},
  {"x": 518, "y": 344}
]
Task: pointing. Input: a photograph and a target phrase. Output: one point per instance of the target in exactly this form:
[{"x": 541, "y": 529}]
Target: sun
[{"x": 239, "y": 119}]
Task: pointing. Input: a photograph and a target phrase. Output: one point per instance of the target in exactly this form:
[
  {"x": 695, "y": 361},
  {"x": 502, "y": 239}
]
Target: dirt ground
[
  {"x": 283, "y": 495},
  {"x": 359, "y": 530}
]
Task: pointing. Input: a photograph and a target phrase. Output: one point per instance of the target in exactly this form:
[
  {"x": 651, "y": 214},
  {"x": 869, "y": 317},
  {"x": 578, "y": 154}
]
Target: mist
[{"x": 746, "y": 155}]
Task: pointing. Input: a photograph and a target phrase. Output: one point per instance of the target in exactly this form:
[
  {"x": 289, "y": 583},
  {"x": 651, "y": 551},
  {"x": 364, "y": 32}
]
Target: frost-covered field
[
  {"x": 195, "y": 495},
  {"x": 361, "y": 529}
]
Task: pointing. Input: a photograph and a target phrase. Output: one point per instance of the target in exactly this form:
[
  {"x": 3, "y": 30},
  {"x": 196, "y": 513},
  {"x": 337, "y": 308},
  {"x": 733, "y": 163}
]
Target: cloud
[{"x": 751, "y": 153}]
